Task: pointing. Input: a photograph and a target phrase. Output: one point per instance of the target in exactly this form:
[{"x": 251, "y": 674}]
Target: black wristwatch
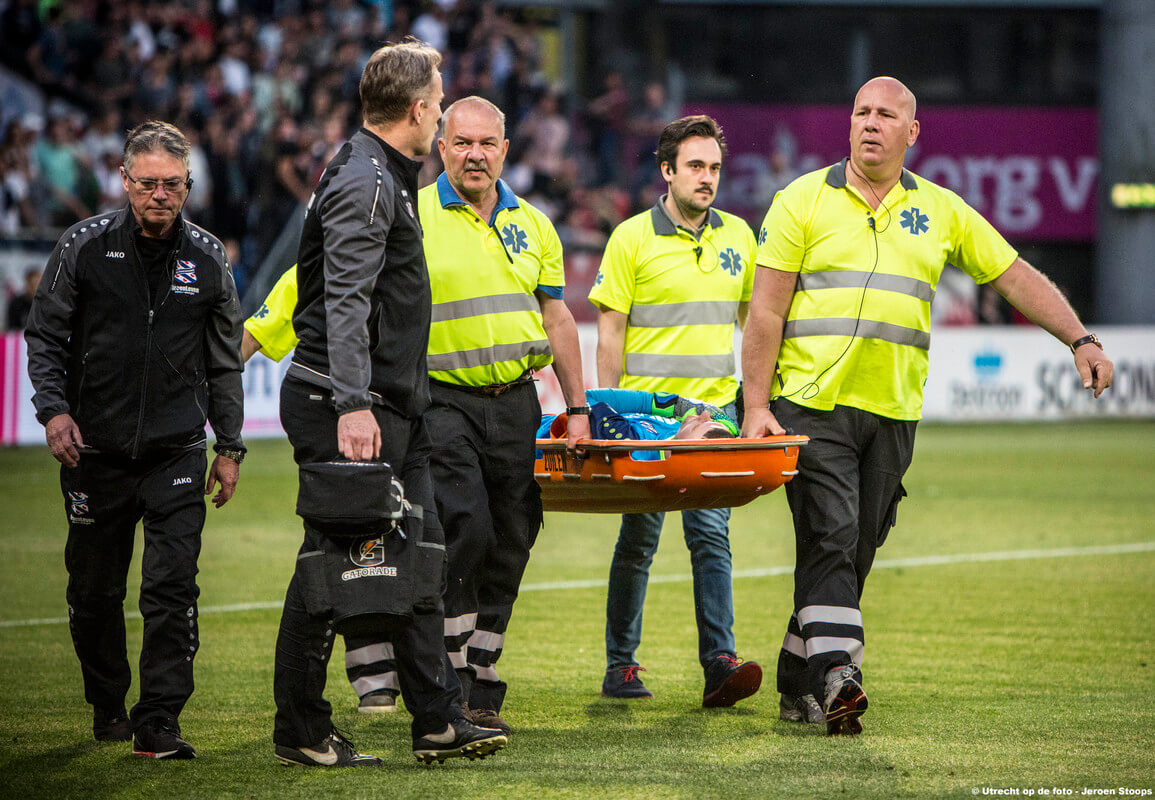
[
  {"x": 576, "y": 411},
  {"x": 236, "y": 455},
  {"x": 1090, "y": 338}
]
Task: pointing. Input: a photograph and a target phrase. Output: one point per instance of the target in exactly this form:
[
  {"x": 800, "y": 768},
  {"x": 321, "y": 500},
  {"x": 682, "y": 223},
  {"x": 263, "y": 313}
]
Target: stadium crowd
[{"x": 267, "y": 92}]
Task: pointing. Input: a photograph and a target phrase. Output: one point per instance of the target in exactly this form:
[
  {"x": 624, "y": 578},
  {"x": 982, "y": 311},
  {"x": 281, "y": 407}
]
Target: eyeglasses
[{"x": 148, "y": 185}]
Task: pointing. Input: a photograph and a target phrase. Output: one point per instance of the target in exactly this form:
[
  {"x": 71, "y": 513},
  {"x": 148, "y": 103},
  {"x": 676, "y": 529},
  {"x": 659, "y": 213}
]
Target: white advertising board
[{"x": 979, "y": 373}]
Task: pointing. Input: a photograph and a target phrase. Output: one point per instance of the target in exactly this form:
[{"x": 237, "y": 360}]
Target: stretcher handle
[{"x": 714, "y": 445}]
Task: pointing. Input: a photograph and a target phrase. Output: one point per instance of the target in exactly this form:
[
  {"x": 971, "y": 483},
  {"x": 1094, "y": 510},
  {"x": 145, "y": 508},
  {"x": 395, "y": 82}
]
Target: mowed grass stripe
[{"x": 763, "y": 572}]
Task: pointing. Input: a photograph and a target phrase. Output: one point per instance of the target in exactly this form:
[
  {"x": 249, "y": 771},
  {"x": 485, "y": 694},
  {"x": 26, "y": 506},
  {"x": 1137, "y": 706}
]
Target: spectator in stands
[
  {"x": 21, "y": 304},
  {"x": 543, "y": 137},
  {"x": 608, "y": 113},
  {"x": 645, "y": 126},
  {"x": 19, "y": 25},
  {"x": 103, "y": 135},
  {"x": 111, "y": 74},
  {"x": 62, "y": 171},
  {"x": 187, "y": 61},
  {"x": 110, "y": 188},
  {"x": 16, "y": 171}
]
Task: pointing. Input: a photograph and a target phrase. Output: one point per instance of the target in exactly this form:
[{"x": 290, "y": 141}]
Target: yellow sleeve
[
  {"x": 272, "y": 325},
  {"x": 552, "y": 260},
  {"x": 782, "y": 238},
  {"x": 980, "y": 251},
  {"x": 749, "y": 256},
  {"x": 614, "y": 285}
]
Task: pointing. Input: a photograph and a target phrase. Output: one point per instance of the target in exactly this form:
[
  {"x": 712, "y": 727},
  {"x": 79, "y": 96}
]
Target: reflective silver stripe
[
  {"x": 369, "y": 654},
  {"x": 670, "y": 366},
  {"x": 478, "y": 306},
  {"x": 854, "y": 279},
  {"x": 817, "y": 645},
  {"x": 483, "y": 356},
  {"x": 487, "y": 640},
  {"x": 839, "y": 615},
  {"x": 455, "y": 626},
  {"x": 666, "y": 315},
  {"x": 373, "y": 683},
  {"x": 867, "y": 329},
  {"x": 457, "y": 659},
  {"x": 486, "y": 673},
  {"x": 794, "y": 644}
]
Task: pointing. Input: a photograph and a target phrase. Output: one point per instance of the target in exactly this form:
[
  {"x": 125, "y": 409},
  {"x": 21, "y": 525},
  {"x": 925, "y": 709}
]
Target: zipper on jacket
[
  {"x": 143, "y": 387},
  {"x": 148, "y": 336}
]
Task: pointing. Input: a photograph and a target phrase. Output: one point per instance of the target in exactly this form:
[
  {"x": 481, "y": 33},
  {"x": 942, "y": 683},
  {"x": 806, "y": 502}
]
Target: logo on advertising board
[
  {"x": 985, "y": 392},
  {"x": 368, "y": 557}
]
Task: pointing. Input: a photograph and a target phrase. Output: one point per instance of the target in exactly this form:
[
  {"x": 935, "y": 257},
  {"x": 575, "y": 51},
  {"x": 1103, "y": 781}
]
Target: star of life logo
[
  {"x": 515, "y": 238},
  {"x": 914, "y": 221},
  {"x": 184, "y": 277},
  {"x": 731, "y": 261},
  {"x": 78, "y": 509},
  {"x": 368, "y": 558}
]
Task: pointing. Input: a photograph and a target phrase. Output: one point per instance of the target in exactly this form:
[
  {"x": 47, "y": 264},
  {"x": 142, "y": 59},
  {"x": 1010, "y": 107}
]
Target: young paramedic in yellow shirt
[
  {"x": 673, "y": 282},
  {"x": 849, "y": 258}
]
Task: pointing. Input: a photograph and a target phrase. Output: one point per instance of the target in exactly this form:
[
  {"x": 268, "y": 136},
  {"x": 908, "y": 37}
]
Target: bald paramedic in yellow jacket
[
  {"x": 849, "y": 259},
  {"x": 496, "y": 274}
]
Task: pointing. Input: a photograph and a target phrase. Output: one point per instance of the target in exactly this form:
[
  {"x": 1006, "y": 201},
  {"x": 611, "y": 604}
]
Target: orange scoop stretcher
[{"x": 695, "y": 473}]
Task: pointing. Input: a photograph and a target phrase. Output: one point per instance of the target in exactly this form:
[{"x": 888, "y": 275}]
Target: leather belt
[{"x": 489, "y": 390}]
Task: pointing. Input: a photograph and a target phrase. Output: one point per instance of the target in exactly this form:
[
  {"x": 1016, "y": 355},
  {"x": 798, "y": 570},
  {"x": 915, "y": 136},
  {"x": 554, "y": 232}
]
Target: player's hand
[
  {"x": 228, "y": 472},
  {"x": 577, "y": 428},
  {"x": 358, "y": 436},
  {"x": 64, "y": 440},
  {"x": 760, "y": 422},
  {"x": 1094, "y": 367}
]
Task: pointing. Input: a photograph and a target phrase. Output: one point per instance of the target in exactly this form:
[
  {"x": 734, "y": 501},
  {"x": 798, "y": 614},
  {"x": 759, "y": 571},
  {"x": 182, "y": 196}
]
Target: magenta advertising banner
[{"x": 1033, "y": 172}]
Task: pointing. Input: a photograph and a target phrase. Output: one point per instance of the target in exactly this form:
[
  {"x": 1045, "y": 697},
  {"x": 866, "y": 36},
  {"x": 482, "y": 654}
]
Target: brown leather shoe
[{"x": 487, "y": 718}]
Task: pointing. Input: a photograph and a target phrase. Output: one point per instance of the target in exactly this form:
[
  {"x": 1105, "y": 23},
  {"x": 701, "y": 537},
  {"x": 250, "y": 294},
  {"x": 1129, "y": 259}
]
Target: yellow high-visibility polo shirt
[
  {"x": 681, "y": 294},
  {"x": 858, "y": 330},
  {"x": 487, "y": 324}
]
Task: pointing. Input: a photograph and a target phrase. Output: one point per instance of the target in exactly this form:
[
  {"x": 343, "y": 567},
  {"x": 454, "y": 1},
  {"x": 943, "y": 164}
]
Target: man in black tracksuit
[
  {"x": 356, "y": 390},
  {"x": 133, "y": 342}
]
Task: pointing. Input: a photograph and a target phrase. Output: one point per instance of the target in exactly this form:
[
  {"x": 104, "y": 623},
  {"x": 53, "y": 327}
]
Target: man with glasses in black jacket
[{"x": 133, "y": 342}]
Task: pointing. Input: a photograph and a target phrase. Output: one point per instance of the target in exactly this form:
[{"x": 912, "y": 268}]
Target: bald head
[
  {"x": 882, "y": 127},
  {"x": 476, "y": 105},
  {"x": 473, "y": 148},
  {"x": 891, "y": 87}
]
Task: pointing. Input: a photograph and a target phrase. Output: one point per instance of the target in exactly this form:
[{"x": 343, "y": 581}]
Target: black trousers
[
  {"x": 104, "y": 498},
  {"x": 304, "y": 642},
  {"x": 844, "y": 500},
  {"x": 490, "y": 507}
]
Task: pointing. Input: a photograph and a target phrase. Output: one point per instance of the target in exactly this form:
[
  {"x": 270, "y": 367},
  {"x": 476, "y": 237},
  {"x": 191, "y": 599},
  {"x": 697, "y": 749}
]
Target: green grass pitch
[{"x": 1010, "y": 631}]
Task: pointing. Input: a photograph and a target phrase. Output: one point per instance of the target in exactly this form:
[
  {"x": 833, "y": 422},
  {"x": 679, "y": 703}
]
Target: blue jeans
[{"x": 707, "y": 533}]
